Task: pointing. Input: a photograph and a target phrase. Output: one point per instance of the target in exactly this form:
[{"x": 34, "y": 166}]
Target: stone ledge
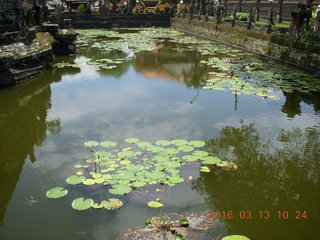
[{"x": 302, "y": 54}]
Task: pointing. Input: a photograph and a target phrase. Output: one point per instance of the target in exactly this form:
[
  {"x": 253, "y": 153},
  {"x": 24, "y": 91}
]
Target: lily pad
[
  {"x": 114, "y": 203},
  {"x": 88, "y": 181},
  {"x": 235, "y": 237},
  {"x": 185, "y": 148},
  {"x": 132, "y": 140},
  {"x": 155, "y": 204},
  {"x": 179, "y": 237},
  {"x": 211, "y": 160},
  {"x": 190, "y": 158},
  {"x": 91, "y": 144},
  {"x": 120, "y": 189},
  {"x": 75, "y": 179},
  {"x": 184, "y": 222},
  {"x": 163, "y": 143},
  {"x": 179, "y": 142},
  {"x": 82, "y": 204},
  {"x": 106, "y": 144},
  {"x": 200, "y": 153},
  {"x": 197, "y": 143},
  {"x": 56, "y": 192},
  {"x": 204, "y": 169}
]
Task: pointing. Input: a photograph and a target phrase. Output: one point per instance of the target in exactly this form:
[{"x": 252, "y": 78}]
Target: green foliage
[
  {"x": 184, "y": 222},
  {"x": 81, "y": 9},
  {"x": 242, "y": 16}
]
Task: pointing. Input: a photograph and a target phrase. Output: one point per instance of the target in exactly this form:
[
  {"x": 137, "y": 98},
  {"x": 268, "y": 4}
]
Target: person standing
[{"x": 317, "y": 20}]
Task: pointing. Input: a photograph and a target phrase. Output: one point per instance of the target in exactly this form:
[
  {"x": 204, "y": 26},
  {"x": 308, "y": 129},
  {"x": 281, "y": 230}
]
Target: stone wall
[
  {"x": 285, "y": 48},
  {"x": 115, "y": 20}
]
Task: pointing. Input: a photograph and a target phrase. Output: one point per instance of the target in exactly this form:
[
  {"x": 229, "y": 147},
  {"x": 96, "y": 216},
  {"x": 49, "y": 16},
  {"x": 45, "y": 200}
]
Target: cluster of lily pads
[
  {"x": 98, "y": 64},
  {"x": 241, "y": 73},
  {"x": 232, "y": 70},
  {"x": 136, "y": 165},
  {"x": 146, "y": 39}
]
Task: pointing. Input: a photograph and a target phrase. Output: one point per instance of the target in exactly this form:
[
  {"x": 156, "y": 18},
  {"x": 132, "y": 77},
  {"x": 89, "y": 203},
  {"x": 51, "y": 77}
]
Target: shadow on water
[{"x": 281, "y": 178}]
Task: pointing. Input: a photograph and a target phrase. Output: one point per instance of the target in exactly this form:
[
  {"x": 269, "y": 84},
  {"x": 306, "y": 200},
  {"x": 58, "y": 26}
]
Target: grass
[{"x": 281, "y": 25}]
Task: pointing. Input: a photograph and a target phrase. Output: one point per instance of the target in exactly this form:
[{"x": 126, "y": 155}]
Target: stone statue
[
  {"x": 234, "y": 16},
  {"x": 250, "y": 19},
  {"x": 191, "y": 9}
]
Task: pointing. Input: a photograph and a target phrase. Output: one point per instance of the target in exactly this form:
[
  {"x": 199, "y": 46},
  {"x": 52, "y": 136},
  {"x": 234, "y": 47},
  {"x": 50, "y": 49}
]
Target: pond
[{"x": 261, "y": 118}]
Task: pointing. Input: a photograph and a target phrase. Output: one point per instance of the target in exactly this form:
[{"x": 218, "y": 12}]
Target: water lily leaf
[
  {"x": 179, "y": 237},
  {"x": 115, "y": 203},
  {"x": 235, "y": 237},
  {"x": 104, "y": 154},
  {"x": 79, "y": 173},
  {"x": 179, "y": 142},
  {"x": 197, "y": 143},
  {"x": 107, "y": 176},
  {"x": 211, "y": 160},
  {"x": 144, "y": 144},
  {"x": 175, "y": 179},
  {"x": 138, "y": 184},
  {"x": 125, "y": 162},
  {"x": 56, "y": 192},
  {"x": 155, "y": 149},
  {"x": 120, "y": 189},
  {"x": 190, "y": 158},
  {"x": 126, "y": 154},
  {"x": 204, "y": 169},
  {"x": 74, "y": 179},
  {"x": 155, "y": 204},
  {"x": 107, "y": 144},
  {"x": 77, "y": 166},
  {"x": 185, "y": 148},
  {"x": 200, "y": 153},
  {"x": 91, "y": 144},
  {"x": 163, "y": 143},
  {"x": 171, "y": 151},
  {"x": 82, "y": 204},
  {"x": 184, "y": 222},
  {"x": 88, "y": 181},
  {"x": 96, "y": 206},
  {"x": 96, "y": 175},
  {"x": 132, "y": 140},
  {"x": 99, "y": 180}
]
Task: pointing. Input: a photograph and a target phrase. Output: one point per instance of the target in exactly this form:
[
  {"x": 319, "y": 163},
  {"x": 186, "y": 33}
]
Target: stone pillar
[
  {"x": 239, "y": 5},
  {"x": 257, "y": 14},
  {"x": 279, "y": 14}
]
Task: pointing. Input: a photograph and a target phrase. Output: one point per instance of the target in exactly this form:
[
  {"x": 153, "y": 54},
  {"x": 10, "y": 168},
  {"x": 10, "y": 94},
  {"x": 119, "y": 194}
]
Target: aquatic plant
[{"x": 124, "y": 168}]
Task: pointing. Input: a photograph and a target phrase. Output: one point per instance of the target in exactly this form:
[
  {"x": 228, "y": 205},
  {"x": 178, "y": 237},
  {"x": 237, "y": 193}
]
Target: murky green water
[{"x": 158, "y": 95}]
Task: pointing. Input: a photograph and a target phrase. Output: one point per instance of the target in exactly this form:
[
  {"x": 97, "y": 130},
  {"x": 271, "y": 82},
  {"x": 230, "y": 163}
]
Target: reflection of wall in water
[
  {"x": 23, "y": 113},
  {"x": 293, "y": 100},
  {"x": 172, "y": 65}
]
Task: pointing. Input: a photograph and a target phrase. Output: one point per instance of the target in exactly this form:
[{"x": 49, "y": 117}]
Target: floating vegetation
[
  {"x": 56, "y": 192},
  {"x": 235, "y": 237},
  {"x": 231, "y": 69},
  {"x": 135, "y": 164},
  {"x": 155, "y": 204},
  {"x": 82, "y": 204}
]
